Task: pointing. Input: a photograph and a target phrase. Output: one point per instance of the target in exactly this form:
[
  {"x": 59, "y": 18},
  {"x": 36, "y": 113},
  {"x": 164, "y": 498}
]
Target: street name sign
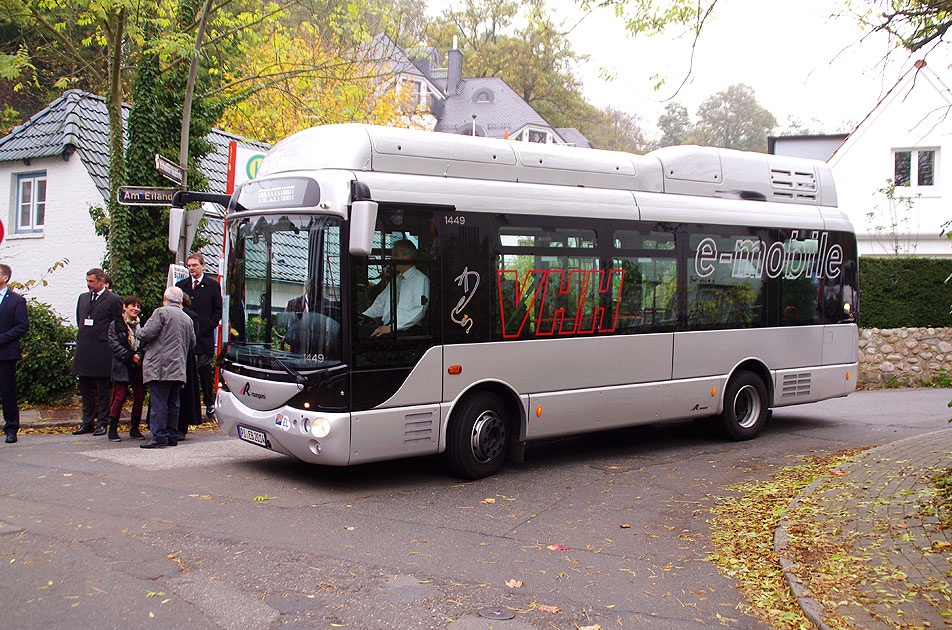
[
  {"x": 142, "y": 196},
  {"x": 169, "y": 170}
]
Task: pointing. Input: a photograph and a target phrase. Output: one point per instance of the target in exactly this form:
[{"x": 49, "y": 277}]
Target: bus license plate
[{"x": 255, "y": 437}]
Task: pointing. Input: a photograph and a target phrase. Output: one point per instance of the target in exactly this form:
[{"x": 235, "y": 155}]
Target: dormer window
[
  {"x": 541, "y": 137},
  {"x": 484, "y": 95}
]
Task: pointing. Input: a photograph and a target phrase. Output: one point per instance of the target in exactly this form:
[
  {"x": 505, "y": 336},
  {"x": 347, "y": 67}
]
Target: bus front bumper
[{"x": 319, "y": 438}]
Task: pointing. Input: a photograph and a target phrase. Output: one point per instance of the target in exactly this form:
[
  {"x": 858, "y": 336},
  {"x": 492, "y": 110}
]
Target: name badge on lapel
[{"x": 88, "y": 321}]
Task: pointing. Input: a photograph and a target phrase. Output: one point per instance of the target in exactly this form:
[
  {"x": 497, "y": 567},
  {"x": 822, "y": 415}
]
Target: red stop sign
[{"x": 1, "y": 231}]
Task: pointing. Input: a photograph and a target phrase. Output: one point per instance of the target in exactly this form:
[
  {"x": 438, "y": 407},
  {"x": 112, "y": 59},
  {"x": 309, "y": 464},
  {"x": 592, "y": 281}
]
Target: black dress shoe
[
  {"x": 100, "y": 431},
  {"x": 83, "y": 429},
  {"x": 11, "y": 439},
  {"x": 153, "y": 444}
]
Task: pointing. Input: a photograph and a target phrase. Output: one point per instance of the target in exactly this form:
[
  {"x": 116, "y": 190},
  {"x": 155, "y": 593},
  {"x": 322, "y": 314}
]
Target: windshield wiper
[{"x": 300, "y": 378}]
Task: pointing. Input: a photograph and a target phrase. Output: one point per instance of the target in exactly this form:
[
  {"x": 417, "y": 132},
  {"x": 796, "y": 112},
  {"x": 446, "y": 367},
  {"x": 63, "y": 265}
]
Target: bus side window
[
  {"x": 392, "y": 286},
  {"x": 647, "y": 297},
  {"x": 731, "y": 294}
]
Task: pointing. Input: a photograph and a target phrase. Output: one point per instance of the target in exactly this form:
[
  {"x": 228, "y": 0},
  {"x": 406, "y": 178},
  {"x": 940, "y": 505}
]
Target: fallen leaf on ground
[
  {"x": 549, "y": 609},
  {"x": 557, "y": 548},
  {"x": 488, "y": 501},
  {"x": 514, "y": 583}
]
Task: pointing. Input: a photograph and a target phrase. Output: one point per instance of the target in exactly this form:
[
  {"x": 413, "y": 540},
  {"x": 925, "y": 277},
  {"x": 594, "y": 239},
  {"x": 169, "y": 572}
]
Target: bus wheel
[
  {"x": 478, "y": 437},
  {"x": 745, "y": 407}
]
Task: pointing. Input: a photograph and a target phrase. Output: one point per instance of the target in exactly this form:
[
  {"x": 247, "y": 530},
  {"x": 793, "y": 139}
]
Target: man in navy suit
[
  {"x": 14, "y": 322},
  {"x": 205, "y": 293}
]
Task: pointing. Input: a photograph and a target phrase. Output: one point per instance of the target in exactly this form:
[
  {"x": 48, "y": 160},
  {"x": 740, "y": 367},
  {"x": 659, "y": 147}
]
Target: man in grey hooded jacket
[{"x": 168, "y": 336}]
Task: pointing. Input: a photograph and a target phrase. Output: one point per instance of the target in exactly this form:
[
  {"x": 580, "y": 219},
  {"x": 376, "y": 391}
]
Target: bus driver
[{"x": 413, "y": 293}]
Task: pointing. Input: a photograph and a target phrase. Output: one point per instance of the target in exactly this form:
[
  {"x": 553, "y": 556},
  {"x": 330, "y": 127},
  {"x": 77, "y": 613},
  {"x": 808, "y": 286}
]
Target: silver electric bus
[{"x": 393, "y": 293}]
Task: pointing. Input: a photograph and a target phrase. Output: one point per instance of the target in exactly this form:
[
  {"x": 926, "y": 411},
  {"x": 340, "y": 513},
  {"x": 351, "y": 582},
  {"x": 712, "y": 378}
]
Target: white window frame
[
  {"x": 415, "y": 89},
  {"x": 32, "y": 226},
  {"x": 914, "y": 184},
  {"x": 524, "y": 135}
]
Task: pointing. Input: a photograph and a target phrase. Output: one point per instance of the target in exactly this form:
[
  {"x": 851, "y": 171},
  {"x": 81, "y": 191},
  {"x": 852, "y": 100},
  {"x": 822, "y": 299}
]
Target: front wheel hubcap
[{"x": 488, "y": 438}]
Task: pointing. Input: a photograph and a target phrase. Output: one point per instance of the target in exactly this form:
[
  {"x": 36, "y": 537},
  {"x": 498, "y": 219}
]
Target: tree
[
  {"x": 616, "y": 130},
  {"x": 674, "y": 124},
  {"x": 536, "y": 60},
  {"x": 37, "y": 65},
  {"x": 734, "y": 120},
  {"x": 297, "y": 79},
  {"x": 915, "y": 24},
  {"x": 891, "y": 224},
  {"x": 685, "y": 17}
]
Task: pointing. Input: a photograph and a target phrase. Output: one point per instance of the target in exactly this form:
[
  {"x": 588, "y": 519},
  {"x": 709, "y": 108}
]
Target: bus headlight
[{"x": 320, "y": 427}]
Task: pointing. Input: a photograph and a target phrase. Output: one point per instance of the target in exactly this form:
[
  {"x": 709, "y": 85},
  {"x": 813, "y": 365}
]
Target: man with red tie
[
  {"x": 205, "y": 293},
  {"x": 14, "y": 322}
]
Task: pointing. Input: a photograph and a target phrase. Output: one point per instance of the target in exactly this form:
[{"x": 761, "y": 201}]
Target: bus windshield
[{"x": 284, "y": 292}]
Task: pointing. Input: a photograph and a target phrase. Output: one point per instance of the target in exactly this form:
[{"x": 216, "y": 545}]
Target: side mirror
[
  {"x": 363, "y": 219},
  {"x": 176, "y": 216}
]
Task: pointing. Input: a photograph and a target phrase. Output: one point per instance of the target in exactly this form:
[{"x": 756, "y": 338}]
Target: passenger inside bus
[{"x": 412, "y": 295}]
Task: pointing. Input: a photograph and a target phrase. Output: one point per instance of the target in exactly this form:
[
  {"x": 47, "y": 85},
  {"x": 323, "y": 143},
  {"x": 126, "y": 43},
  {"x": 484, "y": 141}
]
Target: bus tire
[
  {"x": 745, "y": 407},
  {"x": 478, "y": 436}
]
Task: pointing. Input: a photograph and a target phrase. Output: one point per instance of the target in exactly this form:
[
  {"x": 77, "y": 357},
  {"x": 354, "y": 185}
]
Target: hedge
[
  {"x": 896, "y": 292},
  {"x": 44, "y": 374}
]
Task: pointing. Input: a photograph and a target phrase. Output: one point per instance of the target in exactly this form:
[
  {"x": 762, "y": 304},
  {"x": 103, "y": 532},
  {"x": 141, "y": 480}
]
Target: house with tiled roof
[
  {"x": 449, "y": 103},
  {"x": 55, "y": 167}
]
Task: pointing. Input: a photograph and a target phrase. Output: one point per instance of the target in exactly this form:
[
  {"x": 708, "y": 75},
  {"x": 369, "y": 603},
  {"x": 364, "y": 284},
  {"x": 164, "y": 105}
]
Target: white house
[
  {"x": 813, "y": 146},
  {"x": 55, "y": 167},
  {"x": 891, "y": 173}
]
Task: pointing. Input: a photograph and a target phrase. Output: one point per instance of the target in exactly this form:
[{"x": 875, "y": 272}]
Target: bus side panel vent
[
  {"x": 785, "y": 182},
  {"x": 796, "y": 385},
  {"x": 418, "y": 428}
]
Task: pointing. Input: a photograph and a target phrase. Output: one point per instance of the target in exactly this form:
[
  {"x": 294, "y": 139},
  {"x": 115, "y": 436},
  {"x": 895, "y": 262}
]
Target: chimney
[{"x": 454, "y": 68}]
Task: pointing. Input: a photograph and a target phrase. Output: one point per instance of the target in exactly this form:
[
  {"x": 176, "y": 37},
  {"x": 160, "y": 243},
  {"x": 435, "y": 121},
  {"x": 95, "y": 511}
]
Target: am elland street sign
[{"x": 139, "y": 196}]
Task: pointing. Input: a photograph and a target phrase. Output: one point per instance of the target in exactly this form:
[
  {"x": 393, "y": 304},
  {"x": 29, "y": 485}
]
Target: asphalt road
[{"x": 216, "y": 533}]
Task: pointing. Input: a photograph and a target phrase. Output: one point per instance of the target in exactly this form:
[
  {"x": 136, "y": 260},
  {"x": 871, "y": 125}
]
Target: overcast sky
[{"x": 800, "y": 61}]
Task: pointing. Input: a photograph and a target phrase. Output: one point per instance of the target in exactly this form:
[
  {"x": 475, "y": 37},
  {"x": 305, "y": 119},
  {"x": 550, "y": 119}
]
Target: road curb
[
  {"x": 811, "y": 608},
  {"x": 35, "y": 418}
]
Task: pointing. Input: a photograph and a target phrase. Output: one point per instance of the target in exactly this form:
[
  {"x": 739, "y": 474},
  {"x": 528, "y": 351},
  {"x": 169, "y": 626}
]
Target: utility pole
[{"x": 192, "y": 217}]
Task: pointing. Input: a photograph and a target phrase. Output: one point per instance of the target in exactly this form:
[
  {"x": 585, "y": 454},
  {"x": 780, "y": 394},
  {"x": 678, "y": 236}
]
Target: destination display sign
[
  {"x": 142, "y": 196},
  {"x": 286, "y": 192}
]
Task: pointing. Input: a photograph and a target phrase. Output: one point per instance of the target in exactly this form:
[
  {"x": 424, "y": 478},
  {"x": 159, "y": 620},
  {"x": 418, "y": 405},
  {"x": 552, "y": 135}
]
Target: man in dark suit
[
  {"x": 205, "y": 294},
  {"x": 14, "y": 322},
  {"x": 96, "y": 310},
  {"x": 299, "y": 304}
]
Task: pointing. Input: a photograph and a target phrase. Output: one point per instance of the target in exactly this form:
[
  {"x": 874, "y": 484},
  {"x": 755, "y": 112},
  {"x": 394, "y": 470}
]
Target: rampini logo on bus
[
  {"x": 793, "y": 258},
  {"x": 246, "y": 391}
]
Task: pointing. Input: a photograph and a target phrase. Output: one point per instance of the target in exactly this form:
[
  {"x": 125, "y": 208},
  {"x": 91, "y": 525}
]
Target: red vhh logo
[{"x": 558, "y": 302}]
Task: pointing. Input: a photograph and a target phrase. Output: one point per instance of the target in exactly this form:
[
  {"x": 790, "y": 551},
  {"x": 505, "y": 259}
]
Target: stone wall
[{"x": 891, "y": 357}]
